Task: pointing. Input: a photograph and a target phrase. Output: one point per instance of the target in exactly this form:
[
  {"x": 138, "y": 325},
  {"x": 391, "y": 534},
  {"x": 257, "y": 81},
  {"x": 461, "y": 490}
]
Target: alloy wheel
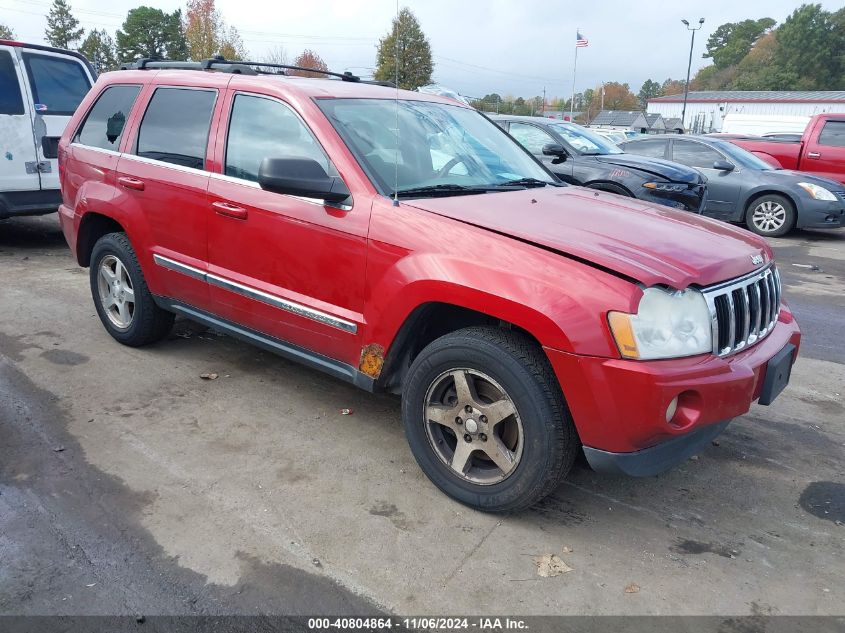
[
  {"x": 768, "y": 216},
  {"x": 116, "y": 293}
]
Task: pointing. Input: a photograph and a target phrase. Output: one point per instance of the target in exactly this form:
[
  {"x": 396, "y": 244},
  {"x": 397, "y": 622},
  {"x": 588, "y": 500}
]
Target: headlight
[
  {"x": 668, "y": 324},
  {"x": 819, "y": 193},
  {"x": 665, "y": 186}
]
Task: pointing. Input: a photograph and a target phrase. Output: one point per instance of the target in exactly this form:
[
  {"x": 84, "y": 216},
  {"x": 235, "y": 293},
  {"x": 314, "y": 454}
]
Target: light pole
[{"x": 689, "y": 67}]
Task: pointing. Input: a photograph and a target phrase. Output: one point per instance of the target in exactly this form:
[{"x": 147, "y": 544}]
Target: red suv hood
[{"x": 652, "y": 244}]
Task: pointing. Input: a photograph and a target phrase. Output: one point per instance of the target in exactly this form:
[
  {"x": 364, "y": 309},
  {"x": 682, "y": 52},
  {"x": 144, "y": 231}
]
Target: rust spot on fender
[{"x": 372, "y": 360}]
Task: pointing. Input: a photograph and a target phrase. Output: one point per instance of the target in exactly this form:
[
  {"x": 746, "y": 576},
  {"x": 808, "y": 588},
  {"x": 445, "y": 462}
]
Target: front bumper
[
  {"x": 620, "y": 406},
  {"x": 821, "y": 214}
]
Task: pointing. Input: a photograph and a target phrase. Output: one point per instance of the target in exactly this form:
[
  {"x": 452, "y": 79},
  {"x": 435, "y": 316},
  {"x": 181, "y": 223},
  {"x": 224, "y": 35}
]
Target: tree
[
  {"x": 151, "y": 33},
  {"x": 649, "y": 90},
  {"x": 407, "y": 44},
  {"x": 63, "y": 29},
  {"x": 309, "y": 59},
  {"x": 731, "y": 42},
  {"x": 809, "y": 49},
  {"x": 6, "y": 33},
  {"x": 672, "y": 87},
  {"x": 207, "y": 33},
  {"x": 99, "y": 48},
  {"x": 276, "y": 55},
  {"x": 618, "y": 96}
]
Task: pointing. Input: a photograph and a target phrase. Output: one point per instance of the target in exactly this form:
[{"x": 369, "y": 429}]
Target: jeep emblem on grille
[{"x": 756, "y": 259}]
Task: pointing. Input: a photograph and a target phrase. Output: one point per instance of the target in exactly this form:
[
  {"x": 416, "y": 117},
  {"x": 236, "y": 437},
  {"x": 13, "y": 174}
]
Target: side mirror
[
  {"x": 556, "y": 150},
  {"x": 301, "y": 177},
  {"x": 723, "y": 165}
]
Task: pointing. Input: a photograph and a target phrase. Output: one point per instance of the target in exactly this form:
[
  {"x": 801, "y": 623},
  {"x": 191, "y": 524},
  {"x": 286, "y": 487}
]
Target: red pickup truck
[
  {"x": 820, "y": 151},
  {"x": 405, "y": 243}
]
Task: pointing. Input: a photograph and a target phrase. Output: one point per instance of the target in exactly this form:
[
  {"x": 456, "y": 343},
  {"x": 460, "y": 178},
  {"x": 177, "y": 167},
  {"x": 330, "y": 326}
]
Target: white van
[{"x": 40, "y": 87}]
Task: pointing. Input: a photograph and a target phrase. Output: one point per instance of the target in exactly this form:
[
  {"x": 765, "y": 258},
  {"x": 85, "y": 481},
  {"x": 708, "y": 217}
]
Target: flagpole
[{"x": 574, "y": 71}]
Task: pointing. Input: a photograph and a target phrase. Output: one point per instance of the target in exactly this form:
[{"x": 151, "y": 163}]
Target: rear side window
[
  {"x": 57, "y": 83},
  {"x": 104, "y": 124},
  {"x": 10, "y": 91},
  {"x": 655, "y": 149},
  {"x": 175, "y": 126},
  {"x": 833, "y": 133}
]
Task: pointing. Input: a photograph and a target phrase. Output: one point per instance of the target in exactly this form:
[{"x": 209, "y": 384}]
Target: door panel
[
  {"x": 824, "y": 155},
  {"x": 164, "y": 181},
  {"x": 56, "y": 85},
  {"x": 17, "y": 145},
  {"x": 290, "y": 267},
  {"x": 723, "y": 187}
]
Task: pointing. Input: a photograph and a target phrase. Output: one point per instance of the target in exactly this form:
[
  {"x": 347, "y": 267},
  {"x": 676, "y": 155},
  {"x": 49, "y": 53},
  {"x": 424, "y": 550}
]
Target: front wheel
[
  {"x": 486, "y": 419},
  {"x": 770, "y": 215}
]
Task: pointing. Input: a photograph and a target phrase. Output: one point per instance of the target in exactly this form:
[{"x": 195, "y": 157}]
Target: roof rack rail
[{"x": 241, "y": 67}]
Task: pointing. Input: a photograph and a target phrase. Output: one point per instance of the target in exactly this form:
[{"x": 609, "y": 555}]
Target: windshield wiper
[
  {"x": 527, "y": 182},
  {"x": 447, "y": 189}
]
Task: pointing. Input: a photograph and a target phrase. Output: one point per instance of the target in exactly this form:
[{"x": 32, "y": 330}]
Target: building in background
[
  {"x": 620, "y": 120},
  {"x": 707, "y": 109}
]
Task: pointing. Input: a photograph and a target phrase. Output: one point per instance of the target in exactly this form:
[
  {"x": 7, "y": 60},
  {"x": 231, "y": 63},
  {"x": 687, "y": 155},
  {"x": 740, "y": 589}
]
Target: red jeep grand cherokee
[{"x": 404, "y": 242}]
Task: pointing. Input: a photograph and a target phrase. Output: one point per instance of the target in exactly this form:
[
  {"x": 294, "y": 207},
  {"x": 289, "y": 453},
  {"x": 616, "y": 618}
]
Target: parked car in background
[
  {"x": 40, "y": 87},
  {"x": 614, "y": 136},
  {"x": 521, "y": 320},
  {"x": 821, "y": 150},
  {"x": 579, "y": 156},
  {"x": 744, "y": 188}
]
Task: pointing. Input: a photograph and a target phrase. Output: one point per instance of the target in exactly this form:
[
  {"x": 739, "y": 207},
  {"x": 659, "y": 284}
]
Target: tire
[
  {"x": 506, "y": 369},
  {"x": 121, "y": 296},
  {"x": 770, "y": 210}
]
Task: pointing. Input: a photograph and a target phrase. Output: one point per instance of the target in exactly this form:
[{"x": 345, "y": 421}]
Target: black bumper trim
[{"x": 655, "y": 459}]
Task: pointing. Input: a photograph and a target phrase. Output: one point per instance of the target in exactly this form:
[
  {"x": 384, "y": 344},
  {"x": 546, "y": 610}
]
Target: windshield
[
  {"x": 584, "y": 141},
  {"x": 441, "y": 147},
  {"x": 742, "y": 157}
]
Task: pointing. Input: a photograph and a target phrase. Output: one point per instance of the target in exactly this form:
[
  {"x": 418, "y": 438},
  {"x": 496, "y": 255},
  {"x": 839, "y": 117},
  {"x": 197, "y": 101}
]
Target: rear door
[
  {"x": 56, "y": 84},
  {"x": 723, "y": 187},
  {"x": 162, "y": 177},
  {"x": 17, "y": 144},
  {"x": 824, "y": 154}
]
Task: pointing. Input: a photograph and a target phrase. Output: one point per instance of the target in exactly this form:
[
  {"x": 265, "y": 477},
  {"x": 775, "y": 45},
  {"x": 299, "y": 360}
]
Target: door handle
[
  {"x": 131, "y": 183},
  {"x": 230, "y": 210},
  {"x": 813, "y": 155}
]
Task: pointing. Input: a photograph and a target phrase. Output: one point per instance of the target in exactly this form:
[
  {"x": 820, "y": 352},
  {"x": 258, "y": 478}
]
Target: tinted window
[
  {"x": 531, "y": 137},
  {"x": 262, "y": 128},
  {"x": 833, "y": 133},
  {"x": 10, "y": 90},
  {"x": 175, "y": 126},
  {"x": 655, "y": 149},
  {"x": 104, "y": 124},
  {"x": 58, "y": 83},
  {"x": 695, "y": 154}
]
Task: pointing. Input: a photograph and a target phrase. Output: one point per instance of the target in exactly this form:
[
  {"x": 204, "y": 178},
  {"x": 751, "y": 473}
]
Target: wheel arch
[
  {"x": 92, "y": 227},
  {"x": 756, "y": 194}
]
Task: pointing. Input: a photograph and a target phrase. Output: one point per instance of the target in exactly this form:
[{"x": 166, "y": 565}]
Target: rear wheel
[
  {"x": 486, "y": 420},
  {"x": 124, "y": 303},
  {"x": 770, "y": 215}
]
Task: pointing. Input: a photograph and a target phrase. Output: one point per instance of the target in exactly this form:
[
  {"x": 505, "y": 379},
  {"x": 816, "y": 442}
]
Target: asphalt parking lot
[{"x": 128, "y": 484}]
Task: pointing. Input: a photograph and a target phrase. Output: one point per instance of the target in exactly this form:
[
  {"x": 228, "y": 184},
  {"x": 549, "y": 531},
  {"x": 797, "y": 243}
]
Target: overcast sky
[{"x": 513, "y": 47}]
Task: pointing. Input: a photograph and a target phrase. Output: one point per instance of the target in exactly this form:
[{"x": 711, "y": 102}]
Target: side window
[
  {"x": 104, "y": 124},
  {"x": 655, "y": 149},
  {"x": 530, "y": 137},
  {"x": 175, "y": 126},
  {"x": 833, "y": 134},
  {"x": 262, "y": 128},
  {"x": 695, "y": 154},
  {"x": 10, "y": 91},
  {"x": 57, "y": 82}
]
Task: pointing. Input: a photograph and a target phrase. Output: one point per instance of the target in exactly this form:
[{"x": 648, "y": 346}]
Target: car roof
[{"x": 280, "y": 85}]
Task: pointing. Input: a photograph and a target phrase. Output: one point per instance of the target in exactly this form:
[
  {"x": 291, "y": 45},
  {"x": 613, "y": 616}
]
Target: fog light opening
[{"x": 671, "y": 409}]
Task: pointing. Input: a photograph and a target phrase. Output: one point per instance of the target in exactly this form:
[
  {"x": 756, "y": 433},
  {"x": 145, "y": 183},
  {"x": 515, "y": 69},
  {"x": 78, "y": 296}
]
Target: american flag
[{"x": 580, "y": 40}]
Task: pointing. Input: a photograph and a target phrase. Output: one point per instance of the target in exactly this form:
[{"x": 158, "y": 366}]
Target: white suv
[{"x": 40, "y": 87}]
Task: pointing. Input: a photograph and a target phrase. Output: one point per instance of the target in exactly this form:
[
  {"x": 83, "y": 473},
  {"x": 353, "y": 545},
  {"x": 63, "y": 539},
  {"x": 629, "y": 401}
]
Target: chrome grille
[{"x": 743, "y": 311}]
